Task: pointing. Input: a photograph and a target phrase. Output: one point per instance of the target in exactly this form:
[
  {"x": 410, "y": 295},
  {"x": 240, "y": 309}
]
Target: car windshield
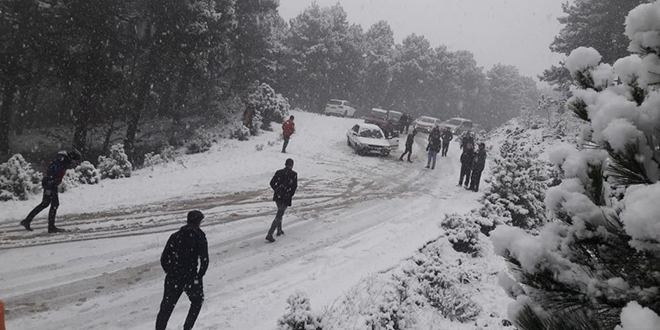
[
  {"x": 394, "y": 116},
  {"x": 371, "y": 133},
  {"x": 334, "y": 102},
  {"x": 427, "y": 120},
  {"x": 454, "y": 122}
]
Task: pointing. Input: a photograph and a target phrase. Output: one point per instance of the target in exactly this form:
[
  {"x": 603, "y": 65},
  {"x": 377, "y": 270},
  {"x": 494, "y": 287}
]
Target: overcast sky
[{"x": 516, "y": 32}]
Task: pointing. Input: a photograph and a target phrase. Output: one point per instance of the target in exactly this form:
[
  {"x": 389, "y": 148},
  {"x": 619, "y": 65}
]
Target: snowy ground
[{"x": 352, "y": 217}]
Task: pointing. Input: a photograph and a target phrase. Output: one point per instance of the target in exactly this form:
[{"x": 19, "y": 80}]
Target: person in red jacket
[
  {"x": 288, "y": 128},
  {"x": 51, "y": 180}
]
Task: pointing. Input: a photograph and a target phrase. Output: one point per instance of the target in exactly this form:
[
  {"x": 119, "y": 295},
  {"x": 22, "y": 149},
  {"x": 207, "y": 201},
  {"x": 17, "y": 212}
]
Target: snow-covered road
[{"x": 352, "y": 216}]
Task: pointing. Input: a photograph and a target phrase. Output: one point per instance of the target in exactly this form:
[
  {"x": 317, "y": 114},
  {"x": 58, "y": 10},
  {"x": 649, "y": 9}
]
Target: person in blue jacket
[{"x": 51, "y": 180}]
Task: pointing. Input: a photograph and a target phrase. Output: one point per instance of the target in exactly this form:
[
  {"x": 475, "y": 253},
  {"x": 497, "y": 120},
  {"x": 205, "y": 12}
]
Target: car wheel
[{"x": 345, "y": 113}]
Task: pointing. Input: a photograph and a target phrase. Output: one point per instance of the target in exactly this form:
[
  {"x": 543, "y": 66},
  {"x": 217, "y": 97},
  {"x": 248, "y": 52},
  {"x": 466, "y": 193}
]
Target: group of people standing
[{"x": 472, "y": 163}]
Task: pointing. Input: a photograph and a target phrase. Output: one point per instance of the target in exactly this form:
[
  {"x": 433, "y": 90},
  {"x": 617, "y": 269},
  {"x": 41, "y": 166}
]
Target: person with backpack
[
  {"x": 409, "y": 144},
  {"x": 467, "y": 158},
  {"x": 284, "y": 184},
  {"x": 433, "y": 147},
  {"x": 50, "y": 182},
  {"x": 179, "y": 261},
  {"x": 288, "y": 128},
  {"x": 447, "y": 136},
  {"x": 478, "y": 167}
]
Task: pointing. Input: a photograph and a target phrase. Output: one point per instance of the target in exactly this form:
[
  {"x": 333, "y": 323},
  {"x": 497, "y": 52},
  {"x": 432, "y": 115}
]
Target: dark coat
[
  {"x": 179, "y": 258},
  {"x": 447, "y": 136},
  {"x": 467, "y": 157},
  {"x": 284, "y": 184},
  {"x": 55, "y": 172},
  {"x": 479, "y": 160},
  {"x": 434, "y": 143},
  {"x": 467, "y": 139},
  {"x": 410, "y": 140}
]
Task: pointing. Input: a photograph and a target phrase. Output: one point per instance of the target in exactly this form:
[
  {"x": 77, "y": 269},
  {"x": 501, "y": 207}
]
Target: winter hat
[
  {"x": 75, "y": 155},
  {"x": 195, "y": 216}
]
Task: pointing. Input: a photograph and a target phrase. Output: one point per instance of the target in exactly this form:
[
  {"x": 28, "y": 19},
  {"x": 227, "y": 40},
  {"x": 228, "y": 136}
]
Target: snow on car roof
[
  {"x": 427, "y": 117},
  {"x": 369, "y": 126},
  {"x": 394, "y": 111},
  {"x": 338, "y": 100},
  {"x": 461, "y": 119},
  {"x": 378, "y": 110}
]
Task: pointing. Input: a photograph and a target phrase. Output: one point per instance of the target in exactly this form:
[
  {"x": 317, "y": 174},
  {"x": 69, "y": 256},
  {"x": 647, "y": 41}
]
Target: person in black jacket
[
  {"x": 409, "y": 143},
  {"x": 447, "y": 136},
  {"x": 433, "y": 147},
  {"x": 467, "y": 139},
  {"x": 467, "y": 158},
  {"x": 51, "y": 180},
  {"x": 179, "y": 261},
  {"x": 478, "y": 167},
  {"x": 284, "y": 184}
]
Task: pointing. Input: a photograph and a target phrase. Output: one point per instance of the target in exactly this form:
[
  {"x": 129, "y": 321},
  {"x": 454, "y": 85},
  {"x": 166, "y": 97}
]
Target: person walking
[
  {"x": 409, "y": 143},
  {"x": 50, "y": 182},
  {"x": 288, "y": 128},
  {"x": 284, "y": 184},
  {"x": 447, "y": 136},
  {"x": 478, "y": 167},
  {"x": 466, "y": 165},
  {"x": 179, "y": 261},
  {"x": 433, "y": 147}
]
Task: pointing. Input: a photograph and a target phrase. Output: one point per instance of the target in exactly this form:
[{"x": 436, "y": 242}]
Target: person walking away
[
  {"x": 407, "y": 122},
  {"x": 478, "y": 167},
  {"x": 433, "y": 147},
  {"x": 467, "y": 157},
  {"x": 284, "y": 184},
  {"x": 51, "y": 180},
  {"x": 288, "y": 128},
  {"x": 447, "y": 136},
  {"x": 179, "y": 261},
  {"x": 409, "y": 143},
  {"x": 467, "y": 139}
]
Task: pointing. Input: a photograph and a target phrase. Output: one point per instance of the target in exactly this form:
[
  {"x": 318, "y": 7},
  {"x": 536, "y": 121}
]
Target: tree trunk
[
  {"x": 141, "y": 101},
  {"x": 9, "y": 91},
  {"x": 82, "y": 118}
]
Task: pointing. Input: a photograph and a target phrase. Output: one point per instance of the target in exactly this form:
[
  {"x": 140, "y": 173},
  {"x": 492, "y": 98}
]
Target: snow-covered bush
[
  {"x": 597, "y": 264},
  {"x": 167, "y": 154},
  {"x": 444, "y": 285},
  {"x": 87, "y": 173},
  {"x": 299, "y": 315},
  {"x": 396, "y": 309},
  {"x": 116, "y": 165},
  {"x": 517, "y": 187},
  {"x": 17, "y": 179},
  {"x": 200, "y": 143},
  {"x": 265, "y": 106},
  {"x": 463, "y": 232}
]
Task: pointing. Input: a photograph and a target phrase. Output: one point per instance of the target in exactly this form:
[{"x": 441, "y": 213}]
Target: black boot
[
  {"x": 270, "y": 239},
  {"x": 25, "y": 223}
]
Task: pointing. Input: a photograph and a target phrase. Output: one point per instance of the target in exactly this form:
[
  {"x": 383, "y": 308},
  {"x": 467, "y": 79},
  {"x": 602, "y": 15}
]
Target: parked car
[
  {"x": 369, "y": 138},
  {"x": 425, "y": 124},
  {"x": 458, "y": 125},
  {"x": 341, "y": 108},
  {"x": 382, "y": 118}
]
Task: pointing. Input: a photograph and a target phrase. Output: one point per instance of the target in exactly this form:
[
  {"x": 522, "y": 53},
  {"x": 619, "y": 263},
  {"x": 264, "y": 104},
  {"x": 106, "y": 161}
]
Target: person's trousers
[
  {"x": 433, "y": 155},
  {"x": 54, "y": 201},
  {"x": 465, "y": 173},
  {"x": 408, "y": 152},
  {"x": 286, "y": 142},
  {"x": 174, "y": 287},
  {"x": 445, "y": 147},
  {"x": 277, "y": 222},
  {"x": 476, "y": 177}
]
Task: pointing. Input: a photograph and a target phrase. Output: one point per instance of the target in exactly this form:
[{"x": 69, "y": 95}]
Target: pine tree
[{"x": 599, "y": 260}]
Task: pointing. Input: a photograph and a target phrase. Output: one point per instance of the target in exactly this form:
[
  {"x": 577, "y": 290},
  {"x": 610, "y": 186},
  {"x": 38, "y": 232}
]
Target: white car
[
  {"x": 425, "y": 124},
  {"x": 369, "y": 138},
  {"x": 458, "y": 125},
  {"x": 339, "y": 108}
]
